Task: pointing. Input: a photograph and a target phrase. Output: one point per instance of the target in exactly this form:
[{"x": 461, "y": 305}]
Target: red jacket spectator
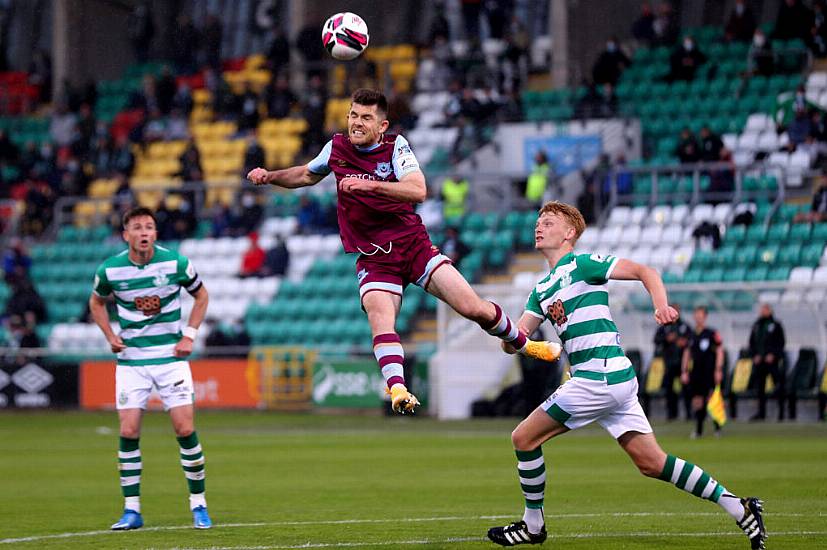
[{"x": 253, "y": 259}]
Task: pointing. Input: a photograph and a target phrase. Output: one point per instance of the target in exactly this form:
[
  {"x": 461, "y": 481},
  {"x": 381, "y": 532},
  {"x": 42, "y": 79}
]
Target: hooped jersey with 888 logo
[
  {"x": 575, "y": 299},
  {"x": 148, "y": 303}
]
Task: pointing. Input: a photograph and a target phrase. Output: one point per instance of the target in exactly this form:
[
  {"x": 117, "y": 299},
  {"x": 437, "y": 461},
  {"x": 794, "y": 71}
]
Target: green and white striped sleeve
[
  {"x": 533, "y": 307},
  {"x": 101, "y": 286}
]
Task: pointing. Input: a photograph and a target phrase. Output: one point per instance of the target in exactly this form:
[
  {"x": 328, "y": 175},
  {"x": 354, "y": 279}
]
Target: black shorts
[{"x": 701, "y": 381}]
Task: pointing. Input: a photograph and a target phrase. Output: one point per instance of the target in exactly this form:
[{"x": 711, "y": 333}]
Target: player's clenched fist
[
  {"x": 666, "y": 315},
  {"x": 258, "y": 176}
]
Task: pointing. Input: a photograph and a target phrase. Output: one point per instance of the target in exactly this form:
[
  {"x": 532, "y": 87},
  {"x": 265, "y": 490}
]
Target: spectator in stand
[
  {"x": 9, "y": 153},
  {"x": 310, "y": 47},
  {"x": 254, "y": 154},
  {"x": 16, "y": 260},
  {"x": 166, "y": 88},
  {"x": 221, "y": 219},
  {"x": 277, "y": 260},
  {"x": 610, "y": 64},
  {"x": 25, "y": 302},
  {"x": 800, "y": 127},
  {"x": 439, "y": 28},
  {"x": 766, "y": 346},
  {"x": 454, "y": 197},
  {"x": 643, "y": 28},
  {"x": 177, "y": 126},
  {"x": 253, "y": 260},
  {"x": 664, "y": 28},
  {"x": 63, "y": 125},
  {"x": 191, "y": 163},
  {"x": 687, "y": 150},
  {"x": 685, "y": 61},
  {"x": 251, "y": 212},
  {"x": 587, "y": 202},
  {"x": 278, "y": 51},
  {"x": 314, "y": 103},
  {"x": 155, "y": 127},
  {"x": 818, "y": 210},
  {"x": 817, "y": 41},
  {"x": 707, "y": 236},
  {"x": 453, "y": 246},
  {"x": 537, "y": 182},
  {"x": 37, "y": 215},
  {"x": 87, "y": 130},
  {"x": 212, "y": 35},
  {"x": 723, "y": 179},
  {"x": 141, "y": 30},
  {"x": 471, "y": 10},
  {"x": 279, "y": 99},
  {"x": 711, "y": 145},
  {"x": 309, "y": 214},
  {"x": 40, "y": 74},
  {"x": 147, "y": 97},
  {"x": 248, "y": 116},
  {"x": 794, "y": 21},
  {"x": 185, "y": 45},
  {"x": 760, "y": 59},
  {"x": 741, "y": 23},
  {"x": 22, "y": 333},
  {"x": 124, "y": 160},
  {"x": 123, "y": 198}
]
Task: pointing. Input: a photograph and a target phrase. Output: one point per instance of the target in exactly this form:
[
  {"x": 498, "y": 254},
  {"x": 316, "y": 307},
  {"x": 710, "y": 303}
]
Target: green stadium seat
[
  {"x": 725, "y": 255},
  {"x": 703, "y": 258},
  {"x": 800, "y": 233},
  {"x": 746, "y": 254},
  {"x": 786, "y": 212},
  {"x": 757, "y": 274},
  {"x": 756, "y": 233},
  {"x": 712, "y": 275},
  {"x": 735, "y": 234},
  {"x": 778, "y": 232},
  {"x": 768, "y": 254},
  {"x": 780, "y": 273},
  {"x": 790, "y": 255},
  {"x": 735, "y": 274},
  {"x": 811, "y": 254},
  {"x": 819, "y": 233},
  {"x": 693, "y": 276}
]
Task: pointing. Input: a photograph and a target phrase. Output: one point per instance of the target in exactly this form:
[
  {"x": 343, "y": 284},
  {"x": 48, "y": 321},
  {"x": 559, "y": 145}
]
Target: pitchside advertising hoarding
[
  {"x": 27, "y": 383},
  {"x": 268, "y": 378}
]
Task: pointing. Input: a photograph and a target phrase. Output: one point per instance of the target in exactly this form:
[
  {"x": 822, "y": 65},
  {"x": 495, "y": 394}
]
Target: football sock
[
  {"x": 197, "y": 500},
  {"x": 532, "y": 471},
  {"x": 692, "y": 479},
  {"x": 700, "y": 416},
  {"x": 129, "y": 464},
  {"x": 192, "y": 460},
  {"x": 505, "y": 329},
  {"x": 387, "y": 348}
]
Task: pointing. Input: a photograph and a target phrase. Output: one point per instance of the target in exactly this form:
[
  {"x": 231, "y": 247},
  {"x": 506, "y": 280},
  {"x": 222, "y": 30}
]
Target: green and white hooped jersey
[
  {"x": 575, "y": 299},
  {"x": 148, "y": 303}
]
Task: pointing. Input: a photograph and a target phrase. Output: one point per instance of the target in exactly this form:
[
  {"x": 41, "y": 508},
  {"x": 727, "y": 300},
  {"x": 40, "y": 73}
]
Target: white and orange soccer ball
[{"x": 345, "y": 36}]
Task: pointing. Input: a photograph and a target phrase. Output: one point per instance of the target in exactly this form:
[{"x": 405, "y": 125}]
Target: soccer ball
[{"x": 345, "y": 36}]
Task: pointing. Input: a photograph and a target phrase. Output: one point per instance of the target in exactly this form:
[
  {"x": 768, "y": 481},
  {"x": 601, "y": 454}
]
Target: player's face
[
  {"x": 365, "y": 124},
  {"x": 551, "y": 232},
  {"x": 700, "y": 317},
  {"x": 140, "y": 233}
]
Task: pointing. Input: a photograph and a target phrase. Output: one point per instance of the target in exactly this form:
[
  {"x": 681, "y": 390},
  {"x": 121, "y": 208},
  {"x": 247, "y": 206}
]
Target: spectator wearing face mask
[
  {"x": 685, "y": 61},
  {"x": 760, "y": 59},
  {"x": 741, "y": 23},
  {"x": 610, "y": 64}
]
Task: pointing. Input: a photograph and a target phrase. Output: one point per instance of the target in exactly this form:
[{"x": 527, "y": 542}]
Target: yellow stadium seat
[
  {"x": 403, "y": 51},
  {"x": 255, "y": 61},
  {"x": 201, "y": 96},
  {"x": 150, "y": 199}
]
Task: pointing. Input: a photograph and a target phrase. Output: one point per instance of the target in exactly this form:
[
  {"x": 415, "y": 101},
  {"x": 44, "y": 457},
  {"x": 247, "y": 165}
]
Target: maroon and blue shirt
[{"x": 368, "y": 222}]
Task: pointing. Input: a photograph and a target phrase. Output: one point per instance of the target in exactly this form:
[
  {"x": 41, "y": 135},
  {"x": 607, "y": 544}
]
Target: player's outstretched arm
[
  {"x": 527, "y": 325},
  {"x": 289, "y": 178},
  {"x": 411, "y": 188},
  {"x": 627, "y": 270}
]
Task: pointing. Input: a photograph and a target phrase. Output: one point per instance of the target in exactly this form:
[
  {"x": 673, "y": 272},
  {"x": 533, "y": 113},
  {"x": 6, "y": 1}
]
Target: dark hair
[
  {"x": 702, "y": 308},
  {"x": 368, "y": 96},
  {"x": 137, "y": 212}
]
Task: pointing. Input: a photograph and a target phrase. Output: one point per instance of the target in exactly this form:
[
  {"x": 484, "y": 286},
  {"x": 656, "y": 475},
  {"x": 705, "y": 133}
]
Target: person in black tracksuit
[
  {"x": 706, "y": 352},
  {"x": 670, "y": 341},
  {"x": 766, "y": 346}
]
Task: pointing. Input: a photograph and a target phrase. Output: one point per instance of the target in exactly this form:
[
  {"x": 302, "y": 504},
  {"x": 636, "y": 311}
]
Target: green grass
[{"x": 282, "y": 481}]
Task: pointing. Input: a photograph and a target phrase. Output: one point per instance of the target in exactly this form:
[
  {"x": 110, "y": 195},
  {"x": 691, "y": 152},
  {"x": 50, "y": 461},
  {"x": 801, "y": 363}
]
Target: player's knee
[
  {"x": 183, "y": 430},
  {"x": 130, "y": 432},
  {"x": 521, "y": 441}
]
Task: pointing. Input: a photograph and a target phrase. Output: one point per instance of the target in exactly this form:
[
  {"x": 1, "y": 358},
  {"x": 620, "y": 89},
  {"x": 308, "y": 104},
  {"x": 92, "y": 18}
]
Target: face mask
[
  {"x": 759, "y": 40},
  {"x": 739, "y": 9},
  {"x": 248, "y": 201},
  {"x": 611, "y": 47},
  {"x": 688, "y": 45}
]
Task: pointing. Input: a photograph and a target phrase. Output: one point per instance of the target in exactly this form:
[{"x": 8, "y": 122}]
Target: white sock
[
  {"x": 732, "y": 505},
  {"x": 132, "y": 503},
  {"x": 197, "y": 500},
  {"x": 533, "y": 518}
]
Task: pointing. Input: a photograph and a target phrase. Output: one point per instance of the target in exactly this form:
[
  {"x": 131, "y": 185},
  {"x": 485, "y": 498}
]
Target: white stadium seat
[
  {"x": 525, "y": 279},
  {"x": 672, "y": 234},
  {"x": 630, "y": 235},
  {"x": 589, "y": 238},
  {"x": 660, "y": 215},
  {"x": 749, "y": 141},
  {"x": 640, "y": 254},
  {"x": 792, "y": 297},
  {"x": 681, "y": 256},
  {"x": 817, "y": 79},
  {"x": 611, "y": 236},
  {"x": 651, "y": 235},
  {"x": 769, "y": 297},
  {"x": 702, "y": 213},
  {"x": 620, "y": 215},
  {"x": 679, "y": 213},
  {"x": 802, "y": 275},
  {"x": 758, "y": 122},
  {"x": 639, "y": 214},
  {"x": 820, "y": 274},
  {"x": 721, "y": 212},
  {"x": 768, "y": 141},
  {"x": 661, "y": 256},
  {"x": 730, "y": 141}
]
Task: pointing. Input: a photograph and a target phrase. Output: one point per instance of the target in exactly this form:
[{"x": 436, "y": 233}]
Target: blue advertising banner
[{"x": 565, "y": 153}]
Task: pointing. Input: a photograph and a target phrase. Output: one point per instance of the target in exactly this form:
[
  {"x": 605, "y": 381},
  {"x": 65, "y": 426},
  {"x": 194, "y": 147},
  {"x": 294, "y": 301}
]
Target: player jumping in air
[
  {"x": 146, "y": 280},
  {"x": 378, "y": 182},
  {"x": 603, "y": 388}
]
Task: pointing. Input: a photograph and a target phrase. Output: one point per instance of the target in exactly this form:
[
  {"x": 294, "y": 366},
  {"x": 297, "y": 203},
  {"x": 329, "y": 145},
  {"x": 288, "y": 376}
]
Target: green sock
[
  {"x": 192, "y": 460},
  {"x": 129, "y": 464},
  {"x": 693, "y": 479}
]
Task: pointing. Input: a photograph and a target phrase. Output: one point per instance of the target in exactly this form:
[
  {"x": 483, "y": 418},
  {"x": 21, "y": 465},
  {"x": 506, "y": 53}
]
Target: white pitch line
[
  {"x": 35, "y": 538},
  {"x": 648, "y": 534}
]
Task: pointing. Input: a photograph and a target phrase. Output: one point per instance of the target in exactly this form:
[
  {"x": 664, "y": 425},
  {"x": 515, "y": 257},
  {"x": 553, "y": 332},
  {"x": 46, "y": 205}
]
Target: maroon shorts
[{"x": 409, "y": 259}]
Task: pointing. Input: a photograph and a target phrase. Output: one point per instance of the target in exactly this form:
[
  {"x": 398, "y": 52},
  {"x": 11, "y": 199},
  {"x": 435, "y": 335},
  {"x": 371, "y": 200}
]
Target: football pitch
[{"x": 279, "y": 481}]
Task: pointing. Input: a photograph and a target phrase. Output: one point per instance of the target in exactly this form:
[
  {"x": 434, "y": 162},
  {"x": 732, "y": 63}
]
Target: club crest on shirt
[
  {"x": 383, "y": 169},
  {"x": 160, "y": 280},
  {"x": 565, "y": 280}
]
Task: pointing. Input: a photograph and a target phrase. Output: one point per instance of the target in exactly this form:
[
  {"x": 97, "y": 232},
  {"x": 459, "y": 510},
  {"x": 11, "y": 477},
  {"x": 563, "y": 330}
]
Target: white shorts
[
  {"x": 581, "y": 401},
  {"x": 133, "y": 385}
]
